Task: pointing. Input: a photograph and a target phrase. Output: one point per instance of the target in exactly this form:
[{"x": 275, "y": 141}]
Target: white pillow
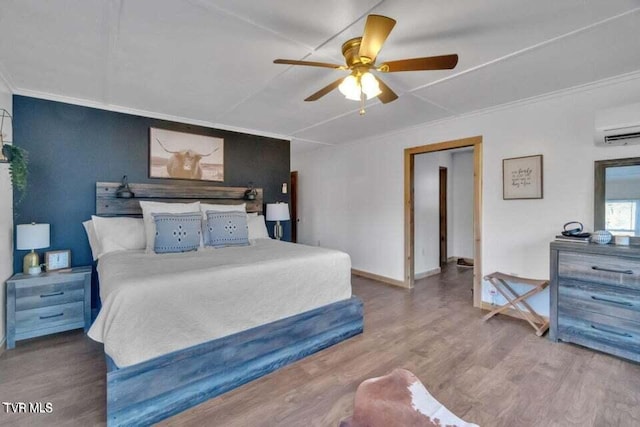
[
  {"x": 204, "y": 207},
  {"x": 257, "y": 227},
  {"x": 93, "y": 239},
  {"x": 119, "y": 234},
  {"x": 149, "y": 208}
]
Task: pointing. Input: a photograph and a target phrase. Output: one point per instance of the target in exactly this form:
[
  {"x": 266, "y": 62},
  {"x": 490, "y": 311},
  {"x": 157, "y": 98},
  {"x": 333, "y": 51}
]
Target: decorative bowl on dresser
[
  {"x": 595, "y": 297},
  {"x": 48, "y": 303}
]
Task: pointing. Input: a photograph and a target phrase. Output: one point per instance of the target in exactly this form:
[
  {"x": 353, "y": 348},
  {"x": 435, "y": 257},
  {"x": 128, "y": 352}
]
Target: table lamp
[
  {"x": 31, "y": 237},
  {"x": 278, "y": 212}
]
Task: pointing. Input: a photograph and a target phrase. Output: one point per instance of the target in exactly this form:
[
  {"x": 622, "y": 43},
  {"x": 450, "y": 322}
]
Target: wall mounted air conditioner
[{"x": 618, "y": 126}]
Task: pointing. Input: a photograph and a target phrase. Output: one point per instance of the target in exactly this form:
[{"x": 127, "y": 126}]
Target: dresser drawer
[
  {"x": 604, "y": 299},
  {"x": 604, "y": 269},
  {"x": 51, "y": 294},
  {"x": 50, "y": 317},
  {"x": 601, "y": 332}
]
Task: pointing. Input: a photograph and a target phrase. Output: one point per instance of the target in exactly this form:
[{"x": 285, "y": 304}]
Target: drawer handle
[
  {"x": 610, "y": 270},
  {"x": 620, "y": 334},
  {"x": 52, "y": 294},
  {"x": 52, "y": 316},
  {"x": 625, "y": 303}
]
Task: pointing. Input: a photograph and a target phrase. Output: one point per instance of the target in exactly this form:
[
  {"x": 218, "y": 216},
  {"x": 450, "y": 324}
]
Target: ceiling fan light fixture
[
  {"x": 360, "y": 54},
  {"x": 350, "y": 88},
  {"x": 370, "y": 85}
]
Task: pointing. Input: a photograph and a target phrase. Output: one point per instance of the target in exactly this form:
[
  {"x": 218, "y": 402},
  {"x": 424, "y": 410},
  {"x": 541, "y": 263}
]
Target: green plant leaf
[{"x": 18, "y": 167}]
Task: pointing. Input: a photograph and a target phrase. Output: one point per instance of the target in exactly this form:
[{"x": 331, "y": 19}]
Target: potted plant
[{"x": 18, "y": 161}]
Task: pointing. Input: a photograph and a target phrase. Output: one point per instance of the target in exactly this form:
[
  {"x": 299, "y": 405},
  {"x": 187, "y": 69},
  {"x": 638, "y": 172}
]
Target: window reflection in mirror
[
  {"x": 622, "y": 200},
  {"x": 617, "y": 197}
]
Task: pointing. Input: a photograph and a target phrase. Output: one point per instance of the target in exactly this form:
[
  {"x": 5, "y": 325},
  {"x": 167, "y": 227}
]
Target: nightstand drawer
[
  {"x": 46, "y": 295},
  {"x": 47, "y": 303},
  {"x": 49, "y": 317}
]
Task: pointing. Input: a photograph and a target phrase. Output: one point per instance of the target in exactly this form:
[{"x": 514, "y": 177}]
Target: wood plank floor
[{"x": 494, "y": 374}]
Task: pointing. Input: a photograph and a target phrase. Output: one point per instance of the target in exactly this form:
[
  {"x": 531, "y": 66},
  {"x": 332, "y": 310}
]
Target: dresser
[
  {"x": 48, "y": 303},
  {"x": 595, "y": 297}
]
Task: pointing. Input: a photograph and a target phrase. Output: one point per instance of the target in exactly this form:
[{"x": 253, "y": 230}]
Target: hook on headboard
[
  {"x": 251, "y": 192},
  {"x": 124, "y": 192}
]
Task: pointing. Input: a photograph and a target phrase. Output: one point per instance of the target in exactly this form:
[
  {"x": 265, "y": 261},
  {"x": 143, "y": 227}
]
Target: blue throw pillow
[
  {"x": 226, "y": 229},
  {"x": 177, "y": 232}
]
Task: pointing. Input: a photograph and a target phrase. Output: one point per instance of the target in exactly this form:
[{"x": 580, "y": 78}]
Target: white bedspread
[{"x": 155, "y": 304}]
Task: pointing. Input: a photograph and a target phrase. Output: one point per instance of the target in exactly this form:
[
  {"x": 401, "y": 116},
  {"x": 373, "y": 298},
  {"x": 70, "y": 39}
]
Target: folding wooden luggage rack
[{"x": 500, "y": 281}]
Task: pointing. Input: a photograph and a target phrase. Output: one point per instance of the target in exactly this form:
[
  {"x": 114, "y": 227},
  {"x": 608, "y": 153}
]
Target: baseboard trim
[
  {"x": 427, "y": 273},
  {"x": 378, "y": 278},
  {"x": 508, "y": 312}
]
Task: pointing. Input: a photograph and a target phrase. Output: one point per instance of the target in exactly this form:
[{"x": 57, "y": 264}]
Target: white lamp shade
[
  {"x": 278, "y": 212},
  {"x": 32, "y": 236}
]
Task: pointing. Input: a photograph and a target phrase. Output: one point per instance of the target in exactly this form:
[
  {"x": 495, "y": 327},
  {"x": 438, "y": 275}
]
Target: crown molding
[
  {"x": 144, "y": 113},
  {"x": 6, "y": 80},
  {"x": 311, "y": 141}
]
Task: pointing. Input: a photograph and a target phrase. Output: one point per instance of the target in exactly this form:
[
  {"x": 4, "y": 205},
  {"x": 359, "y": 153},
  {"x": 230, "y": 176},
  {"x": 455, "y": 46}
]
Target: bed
[{"x": 181, "y": 328}]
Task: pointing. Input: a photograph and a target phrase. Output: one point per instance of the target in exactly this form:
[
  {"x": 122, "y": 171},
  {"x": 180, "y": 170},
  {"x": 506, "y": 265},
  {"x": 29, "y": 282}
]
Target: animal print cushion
[
  {"x": 226, "y": 229},
  {"x": 177, "y": 232}
]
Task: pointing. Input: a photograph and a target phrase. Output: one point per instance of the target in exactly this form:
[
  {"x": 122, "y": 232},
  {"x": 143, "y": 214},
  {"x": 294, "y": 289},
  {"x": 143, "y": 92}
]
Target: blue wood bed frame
[
  {"x": 150, "y": 391},
  {"x": 156, "y": 389}
]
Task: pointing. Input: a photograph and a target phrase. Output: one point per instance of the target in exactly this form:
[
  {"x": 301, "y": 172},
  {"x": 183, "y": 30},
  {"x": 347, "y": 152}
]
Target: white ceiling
[{"x": 210, "y": 61}]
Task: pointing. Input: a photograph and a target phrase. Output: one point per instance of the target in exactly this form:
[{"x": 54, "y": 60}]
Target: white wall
[
  {"x": 427, "y": 210},
  {"x": 6, "y": 213},
  {"x": 462, "y": 201},
  {"x": 353, "y": 193}
]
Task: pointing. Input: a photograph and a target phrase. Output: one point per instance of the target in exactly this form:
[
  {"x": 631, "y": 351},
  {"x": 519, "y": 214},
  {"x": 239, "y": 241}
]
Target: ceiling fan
[{"x": 360, "y": 55}]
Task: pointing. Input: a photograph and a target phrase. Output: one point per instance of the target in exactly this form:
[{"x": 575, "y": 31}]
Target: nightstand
[{"x": 48, "y": 303}]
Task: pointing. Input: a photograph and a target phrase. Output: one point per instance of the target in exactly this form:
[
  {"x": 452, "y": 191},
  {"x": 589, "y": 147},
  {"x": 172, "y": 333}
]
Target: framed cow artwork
[{"x": 179, "y": 155}]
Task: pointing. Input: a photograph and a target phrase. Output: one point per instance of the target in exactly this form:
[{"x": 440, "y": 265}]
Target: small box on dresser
[
  {"x": 48, "y": 303},
  {"x": 595, "y": 297}
]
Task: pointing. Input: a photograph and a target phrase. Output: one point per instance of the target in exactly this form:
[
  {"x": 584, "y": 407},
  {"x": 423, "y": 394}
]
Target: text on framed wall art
[{"x": 522, "y": 178}]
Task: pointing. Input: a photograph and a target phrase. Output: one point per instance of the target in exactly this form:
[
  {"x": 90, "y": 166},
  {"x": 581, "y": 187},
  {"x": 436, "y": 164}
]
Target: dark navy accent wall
[{"x": 72, "y": 147}]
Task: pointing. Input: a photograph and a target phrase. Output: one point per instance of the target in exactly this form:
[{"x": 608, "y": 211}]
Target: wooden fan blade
[
  {"x": 376, "y": 31},
  {"x": 325, "y": 90},
  {"x": 387, "y": 94},
  {"x": 444, "y": 62},
  {"x": 308, "y": 63}
]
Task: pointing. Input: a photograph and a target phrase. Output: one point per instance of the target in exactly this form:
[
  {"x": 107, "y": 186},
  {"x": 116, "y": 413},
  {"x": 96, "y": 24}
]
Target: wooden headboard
[{"x": 107, "y": 204}]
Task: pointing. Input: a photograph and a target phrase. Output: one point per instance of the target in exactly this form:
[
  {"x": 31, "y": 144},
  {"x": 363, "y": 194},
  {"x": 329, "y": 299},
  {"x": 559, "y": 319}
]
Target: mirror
[{"x": 617, "y": 197}]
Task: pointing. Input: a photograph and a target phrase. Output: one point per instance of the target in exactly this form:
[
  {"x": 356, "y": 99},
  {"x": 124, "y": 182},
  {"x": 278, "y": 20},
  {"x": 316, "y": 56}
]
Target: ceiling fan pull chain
[{"x": 362, "y": 102}]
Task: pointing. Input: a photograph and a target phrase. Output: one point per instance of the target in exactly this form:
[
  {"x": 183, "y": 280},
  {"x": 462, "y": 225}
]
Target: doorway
[
  {"x": 442, "y": 184},
  {"x": 409, "y": 208}
]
